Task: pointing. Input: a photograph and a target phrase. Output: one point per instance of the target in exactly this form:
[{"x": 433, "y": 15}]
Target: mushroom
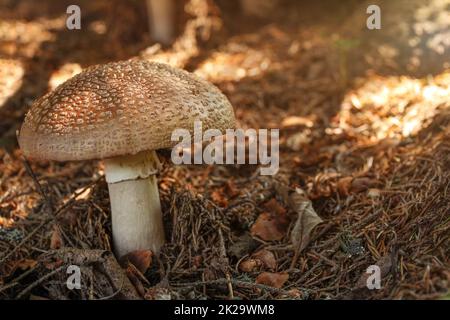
[
  {"x": 161, "y": 20},
  {"x": 122, "y": 112}
]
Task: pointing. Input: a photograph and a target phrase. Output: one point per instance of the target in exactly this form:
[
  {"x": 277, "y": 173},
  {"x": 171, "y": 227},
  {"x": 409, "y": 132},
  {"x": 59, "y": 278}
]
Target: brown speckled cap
[{"x": 121, "y": 108}]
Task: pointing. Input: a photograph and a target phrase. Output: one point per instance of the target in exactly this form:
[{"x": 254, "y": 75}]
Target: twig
[
  {"x": 223, "y": 253},
  {"x": 10, "y": 285},
  {"x": 43, "y": 223},
  {"x": 49, "y": 207},
  {"x": 238, "y": 283},
  {"x": 38, "y": 185},
  {"x": 115, "y": 293},
  {"x": 38, "y": 282}
]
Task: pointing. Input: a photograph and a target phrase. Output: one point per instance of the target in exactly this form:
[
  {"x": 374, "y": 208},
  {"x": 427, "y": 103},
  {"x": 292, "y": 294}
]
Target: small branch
[
  {"x": 38, "y": 185},
  {"x": 38, "y": 282},
  {"x": 43, "y": 223}
]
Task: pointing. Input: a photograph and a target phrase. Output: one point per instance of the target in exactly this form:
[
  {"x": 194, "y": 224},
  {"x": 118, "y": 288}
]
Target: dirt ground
[{"x": 364, "y": 173}]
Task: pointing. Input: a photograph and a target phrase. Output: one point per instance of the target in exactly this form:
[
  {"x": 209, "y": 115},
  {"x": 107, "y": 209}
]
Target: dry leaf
[
  {"x": 295, "y": 293},
  {"x": 249, "y": 265},
  {"x": 261, "y": 259},
  {"x": 270, "y": 227},
  {"x": 362, "y": 184},
  {"x": 231, "y": 189},
  {"x": 197, "y": 261},
  {"x": 218, "y": 198},
  {"x": 141, "y": 259},
  {"x": 12, "y": 266},
  {"x": 275, "y": 280},
  {"x": 26, "y": 264},
  {"x": 344, "y": 184},
  {"x": 306, "y": 219},
  {"x": 275, "y": 207},
  {"x": 51, "y": 265},
  {"x": 105, "y": 263},
  {"x": 385, "y": 263},
  {"x": 267, "y": 259},
  {"x": 56, "y": 241}
]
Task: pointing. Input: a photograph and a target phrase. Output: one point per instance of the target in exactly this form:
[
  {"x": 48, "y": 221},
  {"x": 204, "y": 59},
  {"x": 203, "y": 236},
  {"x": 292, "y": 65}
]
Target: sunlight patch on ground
[
  {"x": 393, "y": 107},
  {"x": 11, "y": 74},
  {"x": 234, "y": 66},
  {"x": 64, "y": 73},
  {"x": 24, "y": 38}
]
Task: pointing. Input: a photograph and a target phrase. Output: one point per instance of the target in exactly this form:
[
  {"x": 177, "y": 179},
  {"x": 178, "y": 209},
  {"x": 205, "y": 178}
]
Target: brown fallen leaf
[
  {"x": 9, "y": 268},
  {"x": 385, "y": 263},
  {"x": 218, "y": 198},
  {"x": 267, "y": 259},
  {"x": 250, "y": 265},
  {"x": 306, "y": 219},
  {"x": 56, "y": 240},
  {"x": 295, "y": 293},
  {"x": 52, "y": 265},
  {"x": 270, "y": 227},
  {"x": 102, "y": 260},
  {"x": 276, "y": 280},
  {"x": 344, "y": 185},
  {"x": 26, "y": 264},
  {"x": 141, "y": 259},
  {"x": 275, "y": 207},
  {"x": 262, "y": 259},
  {"x": 197, "y": 261},
  {"x": 231, "y": 189},
  {"x": 362, "y": 184}
]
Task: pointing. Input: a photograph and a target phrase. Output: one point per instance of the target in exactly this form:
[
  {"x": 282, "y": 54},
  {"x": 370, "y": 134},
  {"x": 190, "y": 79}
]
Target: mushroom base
[{"x": 135, "y": 206}]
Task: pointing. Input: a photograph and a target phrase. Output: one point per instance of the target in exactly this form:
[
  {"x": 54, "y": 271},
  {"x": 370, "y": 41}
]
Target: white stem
[
  {"x": 135, "y": 207},
  {"x": 161, "y": 20}
]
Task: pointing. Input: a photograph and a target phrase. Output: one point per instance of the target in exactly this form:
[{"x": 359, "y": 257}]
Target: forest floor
[{"x": 364, "y": 158}]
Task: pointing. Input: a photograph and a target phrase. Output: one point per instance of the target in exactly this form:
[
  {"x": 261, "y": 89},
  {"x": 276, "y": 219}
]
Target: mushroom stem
[
  {"x": 161, "y": 22},
  {"x": 135, "y": 207}
]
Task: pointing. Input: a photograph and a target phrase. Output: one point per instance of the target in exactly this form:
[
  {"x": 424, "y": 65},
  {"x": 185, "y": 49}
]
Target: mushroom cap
[{"x": 121, "y": 108}]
